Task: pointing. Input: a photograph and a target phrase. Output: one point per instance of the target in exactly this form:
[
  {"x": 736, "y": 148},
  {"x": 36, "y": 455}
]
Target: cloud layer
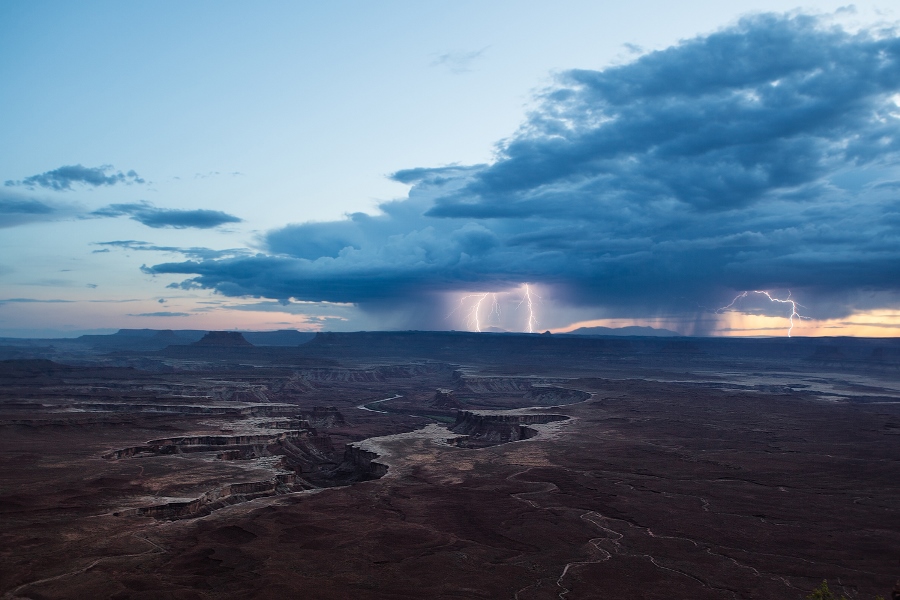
[
  {"x": 147, "y": 214},
  {"x": 16, "y": 210},
  {"x": 763, "y": 156},
  {"x": 191, "y": 252},
  {"x": 62, "y": 178}
]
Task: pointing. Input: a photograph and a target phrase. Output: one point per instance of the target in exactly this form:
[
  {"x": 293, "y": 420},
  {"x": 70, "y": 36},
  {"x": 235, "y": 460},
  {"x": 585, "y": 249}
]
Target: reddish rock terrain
[{"x": 647, "y": 471}]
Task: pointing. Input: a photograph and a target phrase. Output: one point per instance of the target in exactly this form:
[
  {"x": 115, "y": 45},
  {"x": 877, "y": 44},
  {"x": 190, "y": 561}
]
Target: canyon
[{"x": 451, "y": 465}]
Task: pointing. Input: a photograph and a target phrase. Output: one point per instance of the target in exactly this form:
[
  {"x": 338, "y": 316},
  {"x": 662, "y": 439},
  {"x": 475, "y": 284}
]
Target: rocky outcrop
[
  {"x": 323, "y": 417},
  {"x": 362, "y": 463},
  {"x": 480, "y": 429},
  {"x": 494, "y": 385},
  {"x": 296, "y": 384},
  {"x": 218, "y": 498},
  {"x": 269, "y": 410},
  {"x": 549, "y": 395},
  {"x": 256, "y": 393},
  {"x": 181, "y": 409},
  {"x": 373, "y": 374},
  {"x": 253, "y": 410},
  {"x": 444, "y": 399},
  {"x": 251, "y": 444},
  {"x": 311, "y": 455},
  {"x": 305, "y": 459},
  {"x": 284, "y": 424}
]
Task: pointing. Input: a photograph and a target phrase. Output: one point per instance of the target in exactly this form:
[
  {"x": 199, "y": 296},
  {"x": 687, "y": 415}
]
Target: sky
[{"x": 706, "y": 167}]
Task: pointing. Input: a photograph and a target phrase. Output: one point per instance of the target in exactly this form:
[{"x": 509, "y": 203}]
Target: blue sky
[{"x": 357, "y": 165}]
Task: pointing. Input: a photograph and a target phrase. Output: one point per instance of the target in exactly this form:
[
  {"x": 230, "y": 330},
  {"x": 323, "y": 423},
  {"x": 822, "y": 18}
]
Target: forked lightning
[
  {"x": 476, "y": 301},
  {"x": 788, "y": 300},
  {"x": 526, "y": 299}
]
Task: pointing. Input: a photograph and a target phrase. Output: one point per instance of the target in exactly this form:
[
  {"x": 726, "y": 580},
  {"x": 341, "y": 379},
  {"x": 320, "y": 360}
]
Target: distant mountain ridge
[
  {"x": 157, "y": 339},
  {"x": 635, "y": 330}
]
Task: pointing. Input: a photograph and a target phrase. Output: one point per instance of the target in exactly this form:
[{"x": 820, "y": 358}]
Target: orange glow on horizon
[
  {"x": 875, "y": 323},
  {"x": 152, "y": 315}
]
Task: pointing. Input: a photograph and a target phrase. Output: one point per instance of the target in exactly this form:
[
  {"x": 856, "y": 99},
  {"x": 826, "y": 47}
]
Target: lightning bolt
[
  {"x": 526, "y": 299},
  {"x": 472, "y": 317},
  {"x": 475, "y": 302},
  {"x": 794, "y": 314},
  {"x": 473, "y": 314}
]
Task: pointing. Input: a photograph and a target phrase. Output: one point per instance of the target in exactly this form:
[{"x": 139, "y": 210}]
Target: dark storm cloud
[
  {"x": 149, "y": 215},
  {"x": 715, "y": 123},
  {"x": 63, "y": 177},
  {"x": 762, "y": 156}
]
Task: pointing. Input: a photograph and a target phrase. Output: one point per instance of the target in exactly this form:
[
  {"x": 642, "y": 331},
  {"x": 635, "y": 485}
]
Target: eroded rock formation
[
  {"x": 218, "y": 498},
  {"x": 548, "y": 395},
  {"x": 484, "y": 429},
  {"x": 323, "y": 417},
  {"x": 254, "y": 444},
  {"x": 445, "y": 399}
]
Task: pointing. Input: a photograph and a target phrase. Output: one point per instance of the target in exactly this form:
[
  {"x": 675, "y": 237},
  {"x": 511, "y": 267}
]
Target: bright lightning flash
[
  {"x": 794, "y": 314},
  {"x": 475, "y": 302},
  {"x": 473, "y": 320},
  {"x": 526, "y": 299}
]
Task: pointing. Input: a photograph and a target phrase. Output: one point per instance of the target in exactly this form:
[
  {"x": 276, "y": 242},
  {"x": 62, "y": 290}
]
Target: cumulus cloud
[
  {"x": 763, "y": 156},
  {"x": 62, "y": 178},
  {"x": 147, "y": 214},
  {"x": 161, "y": 314}
]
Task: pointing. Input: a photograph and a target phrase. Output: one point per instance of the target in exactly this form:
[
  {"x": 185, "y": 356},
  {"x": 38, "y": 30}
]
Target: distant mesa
[
  {"x": 223, "y": 339},
  {"x": 282, "y": 337},
  {"x": 141, "y": 333},
  {"x": 167, "y": 336},
  {"x": 634, "y": 330}
]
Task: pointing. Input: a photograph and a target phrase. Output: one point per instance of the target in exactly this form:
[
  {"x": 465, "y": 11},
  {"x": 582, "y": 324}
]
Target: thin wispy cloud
[
  {"x": 459, "y": 61},
  {"x": 17, "y": 209},
  {"x": 151, "y": 216},
  {"x": 64, "y": 177},
  {"x": 33, "y": 301},
  {"x": 189, "y": 251}
]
